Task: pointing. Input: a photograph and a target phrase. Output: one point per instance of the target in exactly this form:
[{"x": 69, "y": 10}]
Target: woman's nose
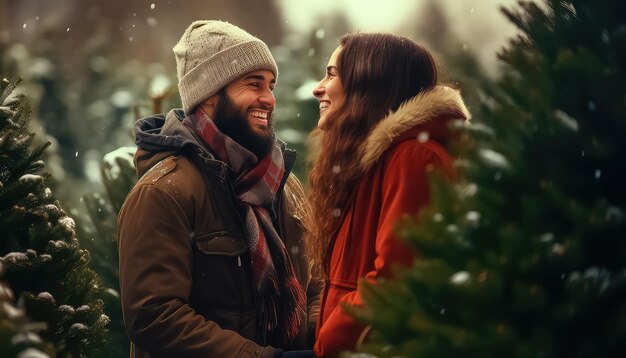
[{"x": 319, "y": 90}]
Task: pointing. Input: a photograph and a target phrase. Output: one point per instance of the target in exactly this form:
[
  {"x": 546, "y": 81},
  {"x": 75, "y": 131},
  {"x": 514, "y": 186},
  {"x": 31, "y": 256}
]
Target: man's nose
[{"x": 267, "y": 98}]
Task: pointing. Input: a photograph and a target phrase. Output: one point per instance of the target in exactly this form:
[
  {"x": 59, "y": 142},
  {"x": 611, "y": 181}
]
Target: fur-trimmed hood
[{"x": 428, "y": 112}]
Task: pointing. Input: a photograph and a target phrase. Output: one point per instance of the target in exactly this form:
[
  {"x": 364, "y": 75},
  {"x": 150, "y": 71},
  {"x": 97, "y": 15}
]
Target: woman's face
[{"x": 329, "y": 91}]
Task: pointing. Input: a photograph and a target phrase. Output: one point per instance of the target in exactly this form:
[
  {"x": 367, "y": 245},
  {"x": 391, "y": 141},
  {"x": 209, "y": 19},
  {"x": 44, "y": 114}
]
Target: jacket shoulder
[
  {"x": 413, "y": 148},
  {"x": 174, "y": 174},
  {"x": 416, "y": 154},
  {"x": 159, "y": 170}
]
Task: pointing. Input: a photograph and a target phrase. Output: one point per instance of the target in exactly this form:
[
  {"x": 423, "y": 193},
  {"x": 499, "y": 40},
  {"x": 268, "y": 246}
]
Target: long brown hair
[{"x": 378, "y": 73}]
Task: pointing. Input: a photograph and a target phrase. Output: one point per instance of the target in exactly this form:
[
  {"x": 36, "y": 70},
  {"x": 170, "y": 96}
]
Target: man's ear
[{"x": 209, "y": 105}]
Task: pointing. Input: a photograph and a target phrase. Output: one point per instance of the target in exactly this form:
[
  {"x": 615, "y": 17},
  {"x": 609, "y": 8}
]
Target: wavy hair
[{"x": 378, "y": 73}]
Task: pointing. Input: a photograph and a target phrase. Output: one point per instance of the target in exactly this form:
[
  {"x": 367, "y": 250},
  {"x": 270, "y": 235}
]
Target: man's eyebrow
[{"x": 258, "y": 78}]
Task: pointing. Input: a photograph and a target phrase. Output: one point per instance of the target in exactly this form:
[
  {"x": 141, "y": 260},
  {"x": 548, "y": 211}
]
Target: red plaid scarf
[{"x": 256, "y": 185}]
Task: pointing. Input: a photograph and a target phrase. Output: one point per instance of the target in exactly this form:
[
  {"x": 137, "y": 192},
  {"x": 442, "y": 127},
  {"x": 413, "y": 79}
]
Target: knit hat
[{"x": 211, "y": 54}]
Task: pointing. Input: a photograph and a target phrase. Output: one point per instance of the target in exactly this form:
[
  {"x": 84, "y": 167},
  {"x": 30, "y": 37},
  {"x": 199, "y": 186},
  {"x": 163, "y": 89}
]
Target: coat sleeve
[
  {"x": 404, "y": 191},
  {"x": 156, "y": 265}
]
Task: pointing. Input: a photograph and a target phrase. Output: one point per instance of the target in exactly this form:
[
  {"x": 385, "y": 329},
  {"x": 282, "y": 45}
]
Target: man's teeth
[{"x": 261, "y": 115}]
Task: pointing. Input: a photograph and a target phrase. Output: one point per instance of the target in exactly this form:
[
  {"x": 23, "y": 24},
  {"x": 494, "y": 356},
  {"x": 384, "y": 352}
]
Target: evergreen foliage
[
  {"x": 525, "y": 256},
  {"x": 119, "y": 177},
  {"x": 45, "y": 268}
]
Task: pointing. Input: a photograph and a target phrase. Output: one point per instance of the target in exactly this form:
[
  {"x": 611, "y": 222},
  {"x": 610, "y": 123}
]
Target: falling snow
[
  {"x": 494, "y": 158},
  {"x": 473, "y": 217},
  {"x": 422, "y": 137},
  {"x": 558, "y": 249},
  {"x": 566, "y": 120},
  {"x": 592, "y": 106},
  {"x": 547, "y": 237},
  {"x": 460, "y": 278}
]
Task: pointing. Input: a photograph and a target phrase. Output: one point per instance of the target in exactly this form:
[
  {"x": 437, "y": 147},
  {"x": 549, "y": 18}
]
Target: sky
[{"x": 478, "y": 23}]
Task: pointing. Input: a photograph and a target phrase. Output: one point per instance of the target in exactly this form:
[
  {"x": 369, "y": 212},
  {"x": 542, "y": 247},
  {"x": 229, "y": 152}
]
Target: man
[{"x": 212, "y": 257}]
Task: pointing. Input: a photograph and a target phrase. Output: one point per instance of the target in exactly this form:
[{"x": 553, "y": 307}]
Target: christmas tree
[
  {"x": 525, "y": 256},
  {"x": 118, "y": 176},
  {"x": 18, "y": 337},
  {"x": 44, "y": 266}
]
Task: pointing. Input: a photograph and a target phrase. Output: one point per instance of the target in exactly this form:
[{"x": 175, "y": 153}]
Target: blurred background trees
[{"x": 91, "y": 68}]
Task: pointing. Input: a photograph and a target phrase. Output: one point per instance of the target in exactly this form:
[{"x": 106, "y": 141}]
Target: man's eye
[{"x": 255, "y": 84}]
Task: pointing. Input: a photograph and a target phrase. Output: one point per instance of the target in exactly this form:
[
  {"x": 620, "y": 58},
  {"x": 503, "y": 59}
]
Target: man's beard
[{"x": 230, "y": 121}]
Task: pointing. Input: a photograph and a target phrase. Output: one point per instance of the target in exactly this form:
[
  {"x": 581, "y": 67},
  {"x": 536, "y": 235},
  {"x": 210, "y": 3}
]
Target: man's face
[{"x": 244, "y": 111}]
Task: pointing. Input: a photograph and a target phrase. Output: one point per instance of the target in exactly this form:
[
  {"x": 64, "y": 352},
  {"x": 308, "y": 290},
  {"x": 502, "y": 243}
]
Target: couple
[{"x": 219, "y": 255}]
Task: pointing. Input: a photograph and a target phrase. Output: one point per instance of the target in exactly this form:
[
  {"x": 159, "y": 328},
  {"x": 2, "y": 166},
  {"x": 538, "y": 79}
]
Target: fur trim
[{"x": 440, "y": 101}]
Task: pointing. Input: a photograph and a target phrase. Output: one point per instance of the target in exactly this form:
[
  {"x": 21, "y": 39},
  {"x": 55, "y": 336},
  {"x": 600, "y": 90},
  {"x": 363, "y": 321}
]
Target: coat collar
[{"x": 428, "y": 112}]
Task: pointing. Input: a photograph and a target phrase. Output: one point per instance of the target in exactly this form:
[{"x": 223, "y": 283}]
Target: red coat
[{"x": 395, "y": 158}]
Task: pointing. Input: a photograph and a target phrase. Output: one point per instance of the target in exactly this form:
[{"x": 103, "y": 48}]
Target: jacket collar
[
  {"x": 428, "y": 112},
  {"x": 162, "y": 135}
]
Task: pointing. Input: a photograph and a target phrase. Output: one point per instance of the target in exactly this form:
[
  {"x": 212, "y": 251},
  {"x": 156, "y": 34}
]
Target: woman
[{"x": 383, "y": 126}]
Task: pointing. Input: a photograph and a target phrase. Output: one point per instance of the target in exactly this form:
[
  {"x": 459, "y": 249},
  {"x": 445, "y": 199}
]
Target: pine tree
[
  {"x": 18, "y": 337},
  {"x": 45, "y": 267},
  {"x": 525, "y": 256},
  {"x": 118, "y": 176}
]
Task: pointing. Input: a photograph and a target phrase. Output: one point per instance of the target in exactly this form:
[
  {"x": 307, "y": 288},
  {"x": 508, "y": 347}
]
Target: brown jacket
[{"x": 184, "y": 263}]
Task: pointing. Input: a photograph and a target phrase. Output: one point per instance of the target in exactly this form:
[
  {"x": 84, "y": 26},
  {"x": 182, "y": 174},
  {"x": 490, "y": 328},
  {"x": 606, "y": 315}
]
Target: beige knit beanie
[{"x": 211, "y": 54}]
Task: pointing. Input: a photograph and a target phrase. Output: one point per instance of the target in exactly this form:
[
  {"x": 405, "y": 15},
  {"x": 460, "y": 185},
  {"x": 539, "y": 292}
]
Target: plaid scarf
[{"x": 280, "y": 293}]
